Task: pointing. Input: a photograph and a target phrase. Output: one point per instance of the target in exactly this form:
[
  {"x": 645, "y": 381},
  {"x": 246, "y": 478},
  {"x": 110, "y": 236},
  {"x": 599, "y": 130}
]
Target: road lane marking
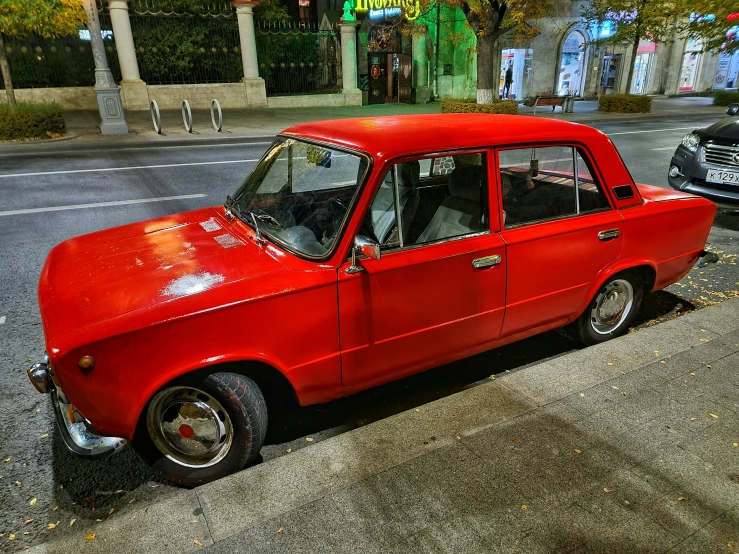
[
  {"x": 2, "y": 319},
  {"x": 664, "y": 148},
  {"x": 70, "y": 171},
  {"x": 101, "y": 204},
  {"x": 652, "y": 131}
]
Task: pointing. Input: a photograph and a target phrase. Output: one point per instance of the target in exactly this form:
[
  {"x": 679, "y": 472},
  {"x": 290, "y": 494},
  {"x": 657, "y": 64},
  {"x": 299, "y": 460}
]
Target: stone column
[
  {"x": 352, "y": 94},
  {"x": 112, "y": 118},
  {"x": 255, "y": 88},
  {"x": 421, "y": 90},
  {"x": 133, "y": 89}
]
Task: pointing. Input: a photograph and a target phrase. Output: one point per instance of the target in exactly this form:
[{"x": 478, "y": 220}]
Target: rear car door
[{"x": 559, "y": 231}]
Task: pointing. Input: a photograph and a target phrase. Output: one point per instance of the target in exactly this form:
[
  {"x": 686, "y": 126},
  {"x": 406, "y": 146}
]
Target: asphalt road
[{"x": 45, "y": 199}]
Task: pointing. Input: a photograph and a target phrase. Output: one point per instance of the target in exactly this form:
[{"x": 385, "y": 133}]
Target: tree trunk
[
  {"x": 5, "y": 68},
  {"x": 632, "y": 63},
  {"x": 487, "y": 89}
]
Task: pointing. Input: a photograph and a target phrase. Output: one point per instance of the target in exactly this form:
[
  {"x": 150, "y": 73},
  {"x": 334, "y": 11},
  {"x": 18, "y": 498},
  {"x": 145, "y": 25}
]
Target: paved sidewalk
[
  {"x": 263, "y": 124},
  {"x": 629, "y": 446}
]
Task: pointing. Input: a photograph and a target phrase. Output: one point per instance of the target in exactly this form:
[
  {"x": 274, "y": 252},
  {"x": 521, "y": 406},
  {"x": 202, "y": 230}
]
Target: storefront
[
  {"x": 727, "y": 68},
  {"x": 520, "y": 61},
  {"x": 690, "y": 65},
  {"x": 642, "y": 67},
  {"x": 572, "y": 66}
]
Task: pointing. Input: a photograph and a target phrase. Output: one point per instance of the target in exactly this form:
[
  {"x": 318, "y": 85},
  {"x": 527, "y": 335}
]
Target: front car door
[
  {"x": 559, "y": 231},
  {"x": 438, "y": 289}
]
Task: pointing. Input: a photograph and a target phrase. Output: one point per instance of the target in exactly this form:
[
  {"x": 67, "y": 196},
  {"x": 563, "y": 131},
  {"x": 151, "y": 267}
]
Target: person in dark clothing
[{"x": 508, "y": 81}]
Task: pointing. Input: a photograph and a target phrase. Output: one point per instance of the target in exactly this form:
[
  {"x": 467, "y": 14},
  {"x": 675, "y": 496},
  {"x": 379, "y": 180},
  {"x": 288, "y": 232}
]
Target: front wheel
[
  {"x": 202, "y": 429},
  {"x": 611, "y": 311}
]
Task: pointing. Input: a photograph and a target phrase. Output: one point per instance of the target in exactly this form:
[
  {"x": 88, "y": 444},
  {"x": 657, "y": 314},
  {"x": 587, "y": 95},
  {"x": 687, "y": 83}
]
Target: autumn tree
[
  {"x": 635, "y": 20},
  {"x": 715, "y": 23},
  {"x": 46, "y": 18},
  {"x": 489, "y": 20}
]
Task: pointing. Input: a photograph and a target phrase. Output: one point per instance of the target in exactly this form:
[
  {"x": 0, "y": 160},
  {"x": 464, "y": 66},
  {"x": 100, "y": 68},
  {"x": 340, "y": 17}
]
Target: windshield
[{"x": 300, "y": 193}]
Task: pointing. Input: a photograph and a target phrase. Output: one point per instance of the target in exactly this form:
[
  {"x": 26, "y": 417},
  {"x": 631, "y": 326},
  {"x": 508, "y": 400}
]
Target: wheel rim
[
  {"x": 612, "y": 306},
  {"x": 189, "y": 427}
]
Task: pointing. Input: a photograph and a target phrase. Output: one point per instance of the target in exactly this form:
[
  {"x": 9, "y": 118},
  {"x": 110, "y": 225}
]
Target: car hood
[
  {"x": 724, "y": 129},
  {"x": 105, "y": 274}
]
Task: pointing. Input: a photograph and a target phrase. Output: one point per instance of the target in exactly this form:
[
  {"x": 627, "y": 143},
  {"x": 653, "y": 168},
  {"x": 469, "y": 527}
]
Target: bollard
[
  {"x": 156, "y": 117},
  {"x": 187, "y": 116},
  {"x": 217, "y": 123}
]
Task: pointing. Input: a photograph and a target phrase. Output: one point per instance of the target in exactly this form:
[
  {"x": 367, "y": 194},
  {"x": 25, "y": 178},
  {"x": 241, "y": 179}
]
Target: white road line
[
  {"x": 101, "y": 204},
  {"x": 665, "y": 148},
  {"x": 2, "y": 319},
  {"x": 69, "y": 171},
  {"x": 653, "y": 131}
]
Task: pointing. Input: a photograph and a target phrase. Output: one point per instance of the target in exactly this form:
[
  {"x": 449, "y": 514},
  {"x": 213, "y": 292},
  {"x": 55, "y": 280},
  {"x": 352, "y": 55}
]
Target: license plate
[{"x": 720, "y": 176}]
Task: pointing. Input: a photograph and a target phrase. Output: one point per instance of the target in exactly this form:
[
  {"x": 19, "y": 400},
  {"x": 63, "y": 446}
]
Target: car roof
[{"x": 394, "y": 136}]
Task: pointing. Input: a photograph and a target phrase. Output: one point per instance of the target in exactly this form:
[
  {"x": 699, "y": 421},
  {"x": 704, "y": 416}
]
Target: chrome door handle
[
  {"x": 487, "y": 261},
  {"x": 608, "y": 235}
]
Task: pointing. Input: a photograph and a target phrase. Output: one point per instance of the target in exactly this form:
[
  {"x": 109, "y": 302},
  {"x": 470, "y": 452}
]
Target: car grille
[
  {"x": 720, "y": 154},
  {"x": 717, "y": 186}
]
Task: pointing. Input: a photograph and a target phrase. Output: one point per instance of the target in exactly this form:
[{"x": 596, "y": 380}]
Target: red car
[{"x": 357, "y": 252}]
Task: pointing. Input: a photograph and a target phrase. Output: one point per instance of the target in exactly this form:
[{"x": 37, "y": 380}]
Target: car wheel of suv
[
  {"x": 611, "y": 311},
  {"x": 199, "y": 430}
]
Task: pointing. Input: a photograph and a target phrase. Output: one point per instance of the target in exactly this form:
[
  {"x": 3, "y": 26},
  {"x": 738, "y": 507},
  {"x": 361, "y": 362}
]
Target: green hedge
[
  {"x": 724, "y": 98},
  {"x": 470, "y": 106},
  {"x": 625, "y": 103},
  {"x": 31, "y": 121}
]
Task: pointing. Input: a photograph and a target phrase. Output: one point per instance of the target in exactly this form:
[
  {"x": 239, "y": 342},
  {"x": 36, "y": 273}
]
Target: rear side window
[{"x": 539, "y": 184}]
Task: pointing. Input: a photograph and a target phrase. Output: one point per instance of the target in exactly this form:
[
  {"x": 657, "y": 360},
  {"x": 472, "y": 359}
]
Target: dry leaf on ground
[
  {"x": 51, "y": 526},
  {"x": 524, "y": 507},
  {"x": 607, "y": 490},
  {"x": 280, "y": 531},
  {"x": 33, "y": 501},
  {"x": 309, "y": 439},
  {"x": 6, "y": 460},
  {"x": 682, "y": 499},
  {"x": 196, "y": 542},
  {"x": 714, "y": 416},
  {"x": 578, "y": 451},
  {"x": 90, "y": 537},
  {"x": 44, "y": 436},
  {"x": 72, "y": 522},
  {"x": 55, "y": 508}
]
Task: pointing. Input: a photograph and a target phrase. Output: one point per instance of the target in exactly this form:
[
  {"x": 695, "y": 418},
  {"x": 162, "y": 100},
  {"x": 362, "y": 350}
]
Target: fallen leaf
[
  {"x": 735, "y": 445},
  {"x": 27, "y": 521},
  {"x": 524, "y": 507},
  {"x": 692, "y": 374},
  {"x": 280, "y": 531},
  {"x": 33, "y": 501},
  {"x": 492, "y": 377},
  {"x": 72, "y": 522},
  {"x": 196, "y": 542},
  {"x": 610, "y": 363},
  {"x": 18, "y": 483},
  {"x": 681, "y": 474},
  {"x": 682, "y": 499},
  {"x": 514, "y": 439},
  {"x": 45, "y": 436},
  {"x": 11, "y": 537},
  {"x": 624, "y": 393},
  {"x": 111, "y": 511},
  {"x": 693, "y": 418},
  {"x": 607, "y": 490},
  {"x": 155, "y": 486},
  {"x": 55, "y": 508},
  {"x": 98, "y": 520},
  {"x": 582, "y": 395},
  {"x": 132, "y": 501},
  {"x": 507, "y": 370},
  {"x": 289, "y": 450},
  {"x": 714, "y": 416},
  {"x": 90, "y": 537},
  {"x": 51, "y": 526},
  {"x": 578, "y": 451},
  {"x": 6, "y": 460},
  {"x": 417, "y": 410},
  {"x": 662, "y": 362},
  {"x": 26, "y": 533},
  {"x": 120, "y": 491},
  {"x": 309, "y": 439},
  {"x": 459, "y": 438},
  {"x": 705, "y": 340}
]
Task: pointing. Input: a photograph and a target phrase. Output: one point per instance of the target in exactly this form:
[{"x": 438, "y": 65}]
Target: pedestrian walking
[{"x": 508, "y": 81}]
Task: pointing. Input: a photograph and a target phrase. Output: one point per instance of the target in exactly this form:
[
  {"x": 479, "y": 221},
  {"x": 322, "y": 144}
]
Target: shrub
[
  {"x": 724, "y": 98},
  {"x": 31, "y": 121},
  {"x": 470, "y": 106},
  {"x": 625, "y": 103}
]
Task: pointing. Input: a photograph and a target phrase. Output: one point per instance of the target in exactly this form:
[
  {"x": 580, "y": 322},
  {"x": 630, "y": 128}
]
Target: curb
[{"x": 218, "y": 510}]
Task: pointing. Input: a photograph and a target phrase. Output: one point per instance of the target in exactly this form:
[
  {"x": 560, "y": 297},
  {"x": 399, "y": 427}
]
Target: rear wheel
[
  {"x": 201, "y": 429},
  {"x": 612, "y": 310}
]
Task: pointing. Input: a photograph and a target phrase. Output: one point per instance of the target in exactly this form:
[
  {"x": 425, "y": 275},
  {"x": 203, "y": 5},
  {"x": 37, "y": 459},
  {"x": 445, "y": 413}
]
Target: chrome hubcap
[
  {"x": 189, "y": 427},
  {"x": 612, "y": 306}
]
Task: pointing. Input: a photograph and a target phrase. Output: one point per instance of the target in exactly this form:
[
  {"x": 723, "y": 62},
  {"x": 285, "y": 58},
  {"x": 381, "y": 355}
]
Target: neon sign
[{"x": 389, "y": 8}]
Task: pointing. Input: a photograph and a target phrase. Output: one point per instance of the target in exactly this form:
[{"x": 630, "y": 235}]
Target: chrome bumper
[{"x": 76, "y": 431}]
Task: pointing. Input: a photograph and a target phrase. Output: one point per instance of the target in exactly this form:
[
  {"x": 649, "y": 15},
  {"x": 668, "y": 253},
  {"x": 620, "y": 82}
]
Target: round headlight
[{"x": 691, "y": 141}]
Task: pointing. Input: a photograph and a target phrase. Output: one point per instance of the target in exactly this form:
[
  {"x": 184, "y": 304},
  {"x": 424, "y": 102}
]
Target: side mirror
[
  {"x": 366, "y": 247},
  {"x": 733, "y": 109}
]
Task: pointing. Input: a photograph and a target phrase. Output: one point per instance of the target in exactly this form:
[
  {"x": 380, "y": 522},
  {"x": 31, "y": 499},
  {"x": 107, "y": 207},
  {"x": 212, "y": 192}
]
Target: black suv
[{"x": 706, "y": 162}]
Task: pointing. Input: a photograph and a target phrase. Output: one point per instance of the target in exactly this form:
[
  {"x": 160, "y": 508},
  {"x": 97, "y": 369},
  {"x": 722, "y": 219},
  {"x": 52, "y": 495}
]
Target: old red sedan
[{"x": 357, "y": 252}]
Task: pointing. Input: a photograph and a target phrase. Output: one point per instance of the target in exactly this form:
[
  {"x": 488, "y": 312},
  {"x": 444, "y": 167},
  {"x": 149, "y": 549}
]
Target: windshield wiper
[{"x": 256, "y": 227}]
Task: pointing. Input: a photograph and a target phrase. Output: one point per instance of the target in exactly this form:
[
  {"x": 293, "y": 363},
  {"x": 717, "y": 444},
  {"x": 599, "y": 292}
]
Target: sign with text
[{"x": 411, "y": 8}]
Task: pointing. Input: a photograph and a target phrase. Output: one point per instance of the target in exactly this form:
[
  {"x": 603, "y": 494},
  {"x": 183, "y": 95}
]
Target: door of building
[
  {"x": 405, "y": 90},
  {"x": 377, "y": 77}
]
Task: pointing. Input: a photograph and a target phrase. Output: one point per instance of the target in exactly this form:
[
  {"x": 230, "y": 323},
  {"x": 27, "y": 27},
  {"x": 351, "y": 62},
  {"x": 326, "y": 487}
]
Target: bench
[{"x": 546, "y": 100}]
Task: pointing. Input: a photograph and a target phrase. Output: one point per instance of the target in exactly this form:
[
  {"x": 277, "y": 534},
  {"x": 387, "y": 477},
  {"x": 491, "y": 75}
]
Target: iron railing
[{"x": 298, "y": 60}]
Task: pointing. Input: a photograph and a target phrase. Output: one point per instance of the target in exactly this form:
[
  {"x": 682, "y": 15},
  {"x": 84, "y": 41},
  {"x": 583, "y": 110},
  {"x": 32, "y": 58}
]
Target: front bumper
[
  {"x": 77, "y": 433},
  {"x": 692, "y": 178}
]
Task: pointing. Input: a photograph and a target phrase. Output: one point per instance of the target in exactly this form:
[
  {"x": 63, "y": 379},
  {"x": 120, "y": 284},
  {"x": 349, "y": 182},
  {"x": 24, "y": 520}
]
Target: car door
[
  {"x": 438, "y": 288},
  {"x": 559, "y": 231}
]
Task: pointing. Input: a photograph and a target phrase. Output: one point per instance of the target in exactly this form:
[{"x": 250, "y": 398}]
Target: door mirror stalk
[{"x": 365, "y": 247}]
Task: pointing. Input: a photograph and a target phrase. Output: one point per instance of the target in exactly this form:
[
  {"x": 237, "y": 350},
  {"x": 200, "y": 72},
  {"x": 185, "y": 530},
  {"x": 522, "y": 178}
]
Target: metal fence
[{"x": 298, "y": 60}]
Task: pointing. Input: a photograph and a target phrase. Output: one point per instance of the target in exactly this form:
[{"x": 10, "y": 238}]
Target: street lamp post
[{"x": 112, "y": 117}]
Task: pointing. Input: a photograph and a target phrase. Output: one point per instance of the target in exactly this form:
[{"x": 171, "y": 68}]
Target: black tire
[
  {"x": 245, "y": 412},
  {"x": 589, "y": 330}
]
